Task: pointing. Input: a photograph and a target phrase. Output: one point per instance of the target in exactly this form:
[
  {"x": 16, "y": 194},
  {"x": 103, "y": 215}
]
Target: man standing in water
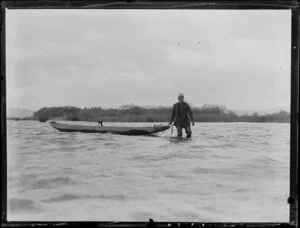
[{"x": 182, "y": 117}]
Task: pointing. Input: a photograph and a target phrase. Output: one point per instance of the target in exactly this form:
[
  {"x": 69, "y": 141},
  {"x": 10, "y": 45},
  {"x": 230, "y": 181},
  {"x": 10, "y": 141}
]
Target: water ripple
[{"x": 83, "y": 176}]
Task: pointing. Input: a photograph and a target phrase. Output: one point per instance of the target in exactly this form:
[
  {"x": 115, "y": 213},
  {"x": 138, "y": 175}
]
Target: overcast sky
[{"x": 109, "y": 58}]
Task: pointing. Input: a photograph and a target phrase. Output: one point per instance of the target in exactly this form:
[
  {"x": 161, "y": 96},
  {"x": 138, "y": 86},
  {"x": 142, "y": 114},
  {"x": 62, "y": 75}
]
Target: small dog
[{"x": 100, "y": 122}]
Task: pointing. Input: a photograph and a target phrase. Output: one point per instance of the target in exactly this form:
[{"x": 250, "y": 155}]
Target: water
[{"x": 228, "y": 172}]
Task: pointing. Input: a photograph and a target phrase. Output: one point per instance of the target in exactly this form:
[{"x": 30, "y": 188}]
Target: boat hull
[{"x": 111, "y": 129}]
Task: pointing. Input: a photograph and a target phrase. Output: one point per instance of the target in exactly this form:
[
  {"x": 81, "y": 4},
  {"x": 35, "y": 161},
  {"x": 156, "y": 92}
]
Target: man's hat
[{"x": 180, "y": 95}]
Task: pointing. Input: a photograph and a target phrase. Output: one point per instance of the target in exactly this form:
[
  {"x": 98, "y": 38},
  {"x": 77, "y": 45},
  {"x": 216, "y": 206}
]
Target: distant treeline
[{"x": 206, "y": 113}]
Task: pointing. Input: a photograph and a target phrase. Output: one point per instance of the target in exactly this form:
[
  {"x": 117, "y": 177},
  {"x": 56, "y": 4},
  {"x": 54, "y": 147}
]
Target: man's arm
[
  {"x": 172, "y": 114},
  {"x": 190, "y": 114}
]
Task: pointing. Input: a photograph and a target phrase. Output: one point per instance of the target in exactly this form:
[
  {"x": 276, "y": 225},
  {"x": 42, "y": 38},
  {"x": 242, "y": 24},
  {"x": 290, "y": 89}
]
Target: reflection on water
[
  {"x": 179, "y": 140},
  {"x": 226, "y": 172}
]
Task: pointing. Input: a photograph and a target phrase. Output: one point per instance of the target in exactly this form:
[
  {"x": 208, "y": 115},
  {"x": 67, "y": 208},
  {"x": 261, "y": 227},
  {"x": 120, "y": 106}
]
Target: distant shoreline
[
  {"x": 206, "y": 113},
  {"x": 14, "y": 119}
]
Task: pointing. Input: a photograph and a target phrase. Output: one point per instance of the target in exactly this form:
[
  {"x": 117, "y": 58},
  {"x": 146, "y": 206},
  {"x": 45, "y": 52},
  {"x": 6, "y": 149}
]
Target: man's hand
[{"x": 193, "y": 123}]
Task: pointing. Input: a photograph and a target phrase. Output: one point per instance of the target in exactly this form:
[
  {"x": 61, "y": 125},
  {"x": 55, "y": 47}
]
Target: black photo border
[{"x": 293, "y": 5}]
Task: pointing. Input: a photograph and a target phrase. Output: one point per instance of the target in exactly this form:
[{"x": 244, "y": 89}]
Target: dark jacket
[{"x": 181, "y": 114}]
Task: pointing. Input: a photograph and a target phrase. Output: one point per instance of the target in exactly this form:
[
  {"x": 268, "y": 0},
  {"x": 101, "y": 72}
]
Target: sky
[{"x": 108, "y": 58}]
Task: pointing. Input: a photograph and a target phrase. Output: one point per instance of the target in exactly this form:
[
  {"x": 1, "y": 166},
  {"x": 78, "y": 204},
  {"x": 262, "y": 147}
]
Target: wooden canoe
[{"x": 109, "y": 129}]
